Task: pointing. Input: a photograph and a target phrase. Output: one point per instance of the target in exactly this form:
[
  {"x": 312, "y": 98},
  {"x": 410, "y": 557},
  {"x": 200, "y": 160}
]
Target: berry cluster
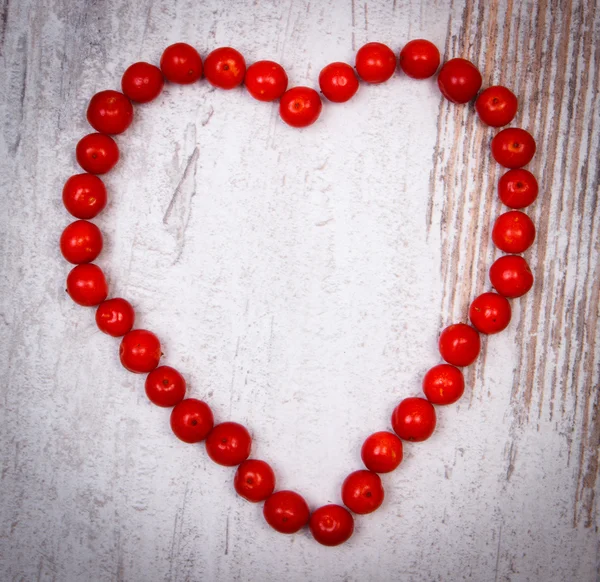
[{"x": 414, "y": 419}]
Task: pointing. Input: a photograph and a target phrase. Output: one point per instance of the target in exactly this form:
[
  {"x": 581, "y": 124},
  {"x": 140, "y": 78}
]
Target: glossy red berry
[
  {"x": 97, "y": 153},
  {"x": 511, "y": 276},
  {"x": 375, "y": 62},
  {"x": 414, "y": 419},
  {"x": 331, "y": 525},
  {"x": 115, "y": 317},
  {"x": 362, "y": 492},
  {"x": 110, "y": 112},
  {"x": 490, "y": 313},
  {"x": 513, "y": 232},
  {"x": 254, "y": 480},
  {"x": 300, "y": 106},
  {"x": 229, "y": 444},
  {"x": 381, "y": 452},
  {"x": 443, "y": 384},
  {"x": 140, "y": 351},
  {"x": 338, "y": 82},
  {"x": 191, "y": 420},
  {"x": 84, "y": 195},
  {"x": 165, "y": 387},
  {"x": 225, "y": 68},
  {"x": 459, "y": 80},
  {"x": 419, "y": 59},
  {"x": 496, "y": 106},
  {"x": 518, "y": 188},
  {"x": 86, "y": 285},
  {"x": 286, "y": 511},
  {"x": 81, "y": 242},
  {"x": 459, "y": 344},
  {"x": 142, "y": 82},
  {"x": 266, "y": 80},
  {"x": 513, "y": 147},
  {"x": 181, "y": 63}
]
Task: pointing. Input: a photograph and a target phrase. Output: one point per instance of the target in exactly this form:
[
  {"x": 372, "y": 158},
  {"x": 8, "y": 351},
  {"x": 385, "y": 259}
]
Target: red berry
[
  {"x": 97, "y": 153},
  {"x": 165, "y": 387},
  {"x": 338, "y": 82},
  {"x": 225, "y": 68},
  {"x": 81, "y": 242},
  {"x": 513, "y": 232},
  {"x": 375, "y": 62},
  {"x": 414, "y": 419},
  {"x": 110, "y": 112},
  {"x": 511, "y": 276},
  {"x": 382, "y": 452},
  {"x": 362, "y": 492},
  {"x": 419, "y": 59},
  {"x": 266, "y": 80},
  {"x": 490, "y": 313},
  {"x": 443, "y": 384},
  {"x": 86, "y": 285},
  {"x": 181, "y": 63},
  {"x": 459, "y": 80},
  {"x": 228, "y": 444},
  {"x": 496, "y": 106},
  {"x": 518, "y": 188},
  {"x": 513, "y": 147},
  {"x": 84, "y": 195},
  {"x": 115, "y": 317},
  {"x": 331, "y": 525},
  {"x": 286, "y": 511},
  {"x": 459, "y": 344},
  {"x": 254, "y": 480},
  {"x": 191, "y": 420},
  {"x": 300, "y": 106},
  {"x": 140, "y": 351},
  {"x": 142, "y": 82}
]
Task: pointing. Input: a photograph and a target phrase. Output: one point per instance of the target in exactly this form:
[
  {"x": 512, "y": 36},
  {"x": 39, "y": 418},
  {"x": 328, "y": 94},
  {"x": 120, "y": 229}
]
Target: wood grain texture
[{"x": 299, "y": 279}]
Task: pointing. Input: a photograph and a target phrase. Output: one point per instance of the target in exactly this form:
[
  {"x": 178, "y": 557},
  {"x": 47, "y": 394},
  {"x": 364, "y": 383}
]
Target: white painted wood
[{"x": 299, "y": 280}]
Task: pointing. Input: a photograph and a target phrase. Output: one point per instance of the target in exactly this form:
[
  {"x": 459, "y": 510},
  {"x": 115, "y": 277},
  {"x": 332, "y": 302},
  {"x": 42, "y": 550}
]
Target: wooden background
[{"x": 297, "y": 280}]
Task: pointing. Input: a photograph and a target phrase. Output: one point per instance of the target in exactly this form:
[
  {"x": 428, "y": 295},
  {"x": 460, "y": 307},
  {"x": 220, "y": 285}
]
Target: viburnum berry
[
  {"x": 513, "y": 232},
  {"x": 254, "y": 480},
  {"x": 300, "y": 106},
  {"x": 140, "y": 351},
  {"x": 518, "y": 188},
  {"x": 459, "y": 80},
  {"x": 165, "y": 387},
  {"x": 513, "y": 147},
  {"x": 382, "y": 452},
  {"x": 84, "y": 195},
  {"x": 266, "y": 80},
  {"x": 338, "y": 82},
  {"x": 225, "y": 68},
  {"x": 443, "y": 384},
  {"x": 81, "y": 242},
  {"x": 191, "y": 420},
  {"x": 419, "y": 59},
  {"x": 142, "y": 82},
  {"x": 331, "y": 525},
  {"x": 375, "y": 62},
  {"x": 496, "y": 106},
  {"x": 115, "y": 317},
  {"x": 414, "y": 419},
  {"x": 511, "y": 276},
  {"x": 180, "y": 63},
  {"x": 86, "y": 285},
  {"x": 110, "y": 112},
  {"x": 286, "y": 511},
  {"x": 97, "y": 153},
  {"x": 459, "y": 344},
  {"x": 490, "y": 313},
  {"x": 229, "y": 444},
  {"x": 362, "y": 492}
]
